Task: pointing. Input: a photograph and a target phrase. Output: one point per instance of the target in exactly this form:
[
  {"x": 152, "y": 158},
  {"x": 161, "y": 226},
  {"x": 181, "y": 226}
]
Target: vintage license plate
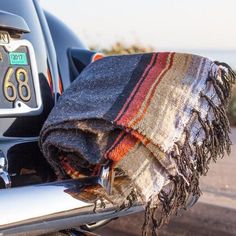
[{"x": 19, "y": 82}]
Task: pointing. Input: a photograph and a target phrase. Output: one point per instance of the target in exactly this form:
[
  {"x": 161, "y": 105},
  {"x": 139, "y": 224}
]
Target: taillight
[
  {"x": 60, "y": 85},
  {"x": 49, "y": 78},
  {"x": 97, "y": 56},
  {"x": 80, "y": 58}
]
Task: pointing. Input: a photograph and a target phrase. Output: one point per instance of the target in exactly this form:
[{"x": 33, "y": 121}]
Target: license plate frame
[{"x": 18, "y": 106}]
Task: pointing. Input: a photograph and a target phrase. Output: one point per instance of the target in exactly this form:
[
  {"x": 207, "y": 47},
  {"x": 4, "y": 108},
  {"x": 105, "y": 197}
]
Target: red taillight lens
[{"x": 97, "y": 56}]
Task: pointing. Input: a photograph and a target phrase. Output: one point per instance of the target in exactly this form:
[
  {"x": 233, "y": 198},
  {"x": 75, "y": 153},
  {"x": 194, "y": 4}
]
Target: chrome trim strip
[{"x": 51, "y": 207}]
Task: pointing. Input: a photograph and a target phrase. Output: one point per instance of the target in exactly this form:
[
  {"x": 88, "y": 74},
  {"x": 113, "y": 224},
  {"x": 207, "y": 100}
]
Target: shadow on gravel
[{"x": 201, "y": 220}]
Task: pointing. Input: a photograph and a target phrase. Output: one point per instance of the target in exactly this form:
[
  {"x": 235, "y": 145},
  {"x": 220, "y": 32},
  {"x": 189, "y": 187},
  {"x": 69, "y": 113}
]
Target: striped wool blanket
[{"x": 156, "y": 119}]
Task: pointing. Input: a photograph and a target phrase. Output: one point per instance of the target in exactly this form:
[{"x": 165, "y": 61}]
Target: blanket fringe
[{"x": 214, "y": 145}]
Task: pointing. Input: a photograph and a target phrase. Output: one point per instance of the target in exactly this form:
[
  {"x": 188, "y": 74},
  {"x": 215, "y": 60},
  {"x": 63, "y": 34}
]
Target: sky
[
  {"x": 195, "y": 24},
  {"x": 205, "y": 27}
]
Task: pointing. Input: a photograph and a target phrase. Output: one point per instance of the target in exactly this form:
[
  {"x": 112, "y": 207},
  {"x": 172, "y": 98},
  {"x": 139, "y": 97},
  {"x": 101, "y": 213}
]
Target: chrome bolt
[{"x": 3, "y": 172}]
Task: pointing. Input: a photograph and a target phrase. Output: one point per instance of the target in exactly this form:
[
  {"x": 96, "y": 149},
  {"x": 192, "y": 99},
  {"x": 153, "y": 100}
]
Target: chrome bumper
[{"x": 40, "y": 209}]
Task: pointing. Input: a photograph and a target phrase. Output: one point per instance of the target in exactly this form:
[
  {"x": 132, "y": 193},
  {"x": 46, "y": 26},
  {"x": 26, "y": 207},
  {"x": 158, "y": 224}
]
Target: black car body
[
  {"x": 51, "y": 40},
  {"x": 39, "y": 58}
]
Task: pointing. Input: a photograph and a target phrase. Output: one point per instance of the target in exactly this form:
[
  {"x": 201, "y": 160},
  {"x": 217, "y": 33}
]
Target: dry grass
[{"x": 121, "y": 48}]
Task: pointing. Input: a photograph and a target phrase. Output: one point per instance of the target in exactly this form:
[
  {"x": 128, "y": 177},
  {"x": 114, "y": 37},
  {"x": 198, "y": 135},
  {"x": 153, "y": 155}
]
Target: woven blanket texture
[{"x": 157, "y": 119}]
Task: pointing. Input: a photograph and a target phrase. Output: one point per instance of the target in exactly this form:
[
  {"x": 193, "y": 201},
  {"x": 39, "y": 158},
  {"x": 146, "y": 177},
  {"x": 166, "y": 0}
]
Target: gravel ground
[{"x": 202, "y": 220}]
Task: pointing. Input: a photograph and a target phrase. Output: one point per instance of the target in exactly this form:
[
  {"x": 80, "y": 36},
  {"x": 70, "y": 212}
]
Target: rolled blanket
[{"x": 156, "y": 119}]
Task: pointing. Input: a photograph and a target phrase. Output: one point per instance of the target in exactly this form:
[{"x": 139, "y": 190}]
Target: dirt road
[{"x": 214, "y": 215}]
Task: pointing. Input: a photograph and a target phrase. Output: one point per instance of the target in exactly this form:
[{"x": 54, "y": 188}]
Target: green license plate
[{"x": 18, "y": 58}]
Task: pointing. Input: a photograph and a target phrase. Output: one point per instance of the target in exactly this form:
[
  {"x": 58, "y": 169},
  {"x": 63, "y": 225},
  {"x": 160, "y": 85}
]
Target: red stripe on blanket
[
  {"x": 124, "y": 146},
  {"x": 140, "y": 137},
  {"x": 140, "y": 117},
  {"x": 116, "y": 142},
  {"x": 129, "y": 99},
  {"x": 140, "y": 94}
]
